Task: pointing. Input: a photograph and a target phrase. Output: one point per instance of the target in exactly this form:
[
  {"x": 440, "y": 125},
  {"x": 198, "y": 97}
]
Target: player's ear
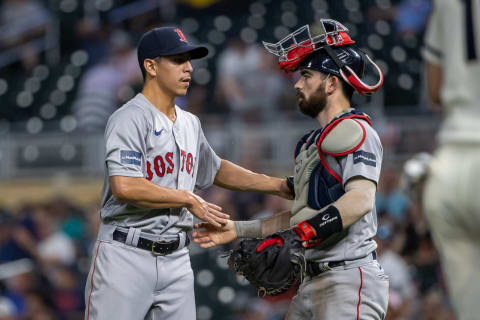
[
  {"x": 150, "y": 67},
  {"x": 332, "y": 84}
]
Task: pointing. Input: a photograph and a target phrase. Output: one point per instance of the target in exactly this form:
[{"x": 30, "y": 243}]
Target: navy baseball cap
[{"x": 167, "y": 41}]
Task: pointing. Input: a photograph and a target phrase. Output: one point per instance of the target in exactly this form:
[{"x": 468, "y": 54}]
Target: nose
[
  {"x": 188, "y": 67},
  {"x": 298, "y": 85}
]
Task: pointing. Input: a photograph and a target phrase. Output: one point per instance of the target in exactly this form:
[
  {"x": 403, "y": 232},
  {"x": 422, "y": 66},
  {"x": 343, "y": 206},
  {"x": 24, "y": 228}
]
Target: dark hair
[
  {"x": 322, "y": 61},
  {"x": 347, "y": 90},
  {"x": 144, "y": 72}
]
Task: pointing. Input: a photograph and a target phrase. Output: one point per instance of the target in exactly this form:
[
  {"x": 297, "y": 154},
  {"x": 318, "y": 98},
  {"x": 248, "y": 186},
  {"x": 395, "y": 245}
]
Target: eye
[
  {"x": 181, "y": 58},
  {"x": 305, "y": 74}
]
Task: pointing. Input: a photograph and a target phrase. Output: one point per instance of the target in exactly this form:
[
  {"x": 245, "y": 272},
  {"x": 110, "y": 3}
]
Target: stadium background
[{"x": 66, "y": 65}]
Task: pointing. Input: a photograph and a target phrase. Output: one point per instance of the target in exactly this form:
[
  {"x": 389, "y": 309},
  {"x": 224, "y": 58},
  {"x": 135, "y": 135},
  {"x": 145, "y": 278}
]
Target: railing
[{"x": 267, "y": 147}]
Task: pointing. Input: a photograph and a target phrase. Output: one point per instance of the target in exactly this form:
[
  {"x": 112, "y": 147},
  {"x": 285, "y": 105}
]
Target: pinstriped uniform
[{"x": 451, "y": 201}]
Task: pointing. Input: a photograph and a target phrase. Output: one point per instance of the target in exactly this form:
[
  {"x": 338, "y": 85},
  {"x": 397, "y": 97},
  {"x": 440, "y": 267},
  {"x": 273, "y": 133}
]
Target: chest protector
[{"x": 316, "y": 184}]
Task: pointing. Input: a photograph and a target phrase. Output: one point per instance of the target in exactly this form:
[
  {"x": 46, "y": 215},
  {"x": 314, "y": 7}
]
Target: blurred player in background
[
  {"x": 156, "y": 155},
  {"x": 451, "y": 199}
]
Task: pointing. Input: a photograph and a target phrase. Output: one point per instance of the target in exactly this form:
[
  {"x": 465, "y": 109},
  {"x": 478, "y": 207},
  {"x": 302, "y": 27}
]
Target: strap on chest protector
[{"x": 325, "y": 185}]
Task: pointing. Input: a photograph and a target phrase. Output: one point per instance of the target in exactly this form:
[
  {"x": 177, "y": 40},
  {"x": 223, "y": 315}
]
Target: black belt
[
  {"x": 158, "y": 248},
  {"x": 315, "y": 268}
]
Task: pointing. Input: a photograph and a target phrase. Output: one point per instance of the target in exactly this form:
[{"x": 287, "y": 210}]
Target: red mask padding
[
  {"x": 360, "y": 86},
  {"x": 346, "y": 39},
  {"x": 295, "y": 56}
]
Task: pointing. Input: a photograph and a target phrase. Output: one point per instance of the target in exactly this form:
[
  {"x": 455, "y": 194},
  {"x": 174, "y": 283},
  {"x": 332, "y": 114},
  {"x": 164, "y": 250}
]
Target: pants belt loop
[
  {"x": 131, "y": 233},
  {"x": 323, "y": 266},
  {"x": 183, "y": 238},
  {"x": 136, "y": 236}
]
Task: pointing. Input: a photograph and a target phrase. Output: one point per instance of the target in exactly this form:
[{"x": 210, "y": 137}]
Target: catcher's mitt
[{"x": 272, "y": 264}]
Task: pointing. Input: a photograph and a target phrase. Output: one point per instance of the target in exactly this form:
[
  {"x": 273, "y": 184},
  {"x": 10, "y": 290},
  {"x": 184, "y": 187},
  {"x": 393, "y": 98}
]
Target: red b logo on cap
[{"x": 181, "y": 35}]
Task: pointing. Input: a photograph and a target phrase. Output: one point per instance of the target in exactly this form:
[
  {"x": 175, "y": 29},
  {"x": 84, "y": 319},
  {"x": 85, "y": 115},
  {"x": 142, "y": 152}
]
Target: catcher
[{"x": 326, "y": 240}]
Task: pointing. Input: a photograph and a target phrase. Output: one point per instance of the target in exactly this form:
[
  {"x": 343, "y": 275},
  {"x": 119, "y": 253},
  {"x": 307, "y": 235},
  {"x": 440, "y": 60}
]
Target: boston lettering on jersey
[{"x": 163, "y": 164}]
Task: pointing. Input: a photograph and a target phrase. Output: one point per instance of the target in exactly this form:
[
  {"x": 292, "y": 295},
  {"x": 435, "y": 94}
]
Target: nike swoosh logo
[{"x": 157, "y": 133}]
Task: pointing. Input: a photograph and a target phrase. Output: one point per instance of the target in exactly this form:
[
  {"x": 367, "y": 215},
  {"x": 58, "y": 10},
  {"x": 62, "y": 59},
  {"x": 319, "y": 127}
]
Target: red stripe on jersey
[
  {"x": 91, "y": 283},
  {"x": 359, "y": 293},
  {"x": 330, "y": 170}
]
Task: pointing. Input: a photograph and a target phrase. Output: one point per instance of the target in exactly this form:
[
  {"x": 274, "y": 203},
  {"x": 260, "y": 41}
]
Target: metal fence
[{"x": 266, "y": 146}]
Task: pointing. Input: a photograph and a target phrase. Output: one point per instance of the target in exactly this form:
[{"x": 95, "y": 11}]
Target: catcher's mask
[{"x": 332, "y": 51}]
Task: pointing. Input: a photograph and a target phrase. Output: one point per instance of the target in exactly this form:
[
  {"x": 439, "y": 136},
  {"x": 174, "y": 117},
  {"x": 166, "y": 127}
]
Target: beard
[{"x": 317, "y": 102}]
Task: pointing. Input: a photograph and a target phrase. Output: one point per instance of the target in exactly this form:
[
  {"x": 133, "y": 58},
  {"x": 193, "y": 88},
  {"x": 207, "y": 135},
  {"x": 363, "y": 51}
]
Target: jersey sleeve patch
[
  {"x": 131, "y": 157},
  {"x": 365, "y": 157},
  {"x": 347, "y": 136}
]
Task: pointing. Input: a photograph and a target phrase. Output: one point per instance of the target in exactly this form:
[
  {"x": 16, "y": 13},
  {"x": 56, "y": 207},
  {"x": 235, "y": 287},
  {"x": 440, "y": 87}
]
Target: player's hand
[
  {"x": 207, "y": 211},
  {"x": 209, "y": 236},
  {"x": 286, "y": 191}
]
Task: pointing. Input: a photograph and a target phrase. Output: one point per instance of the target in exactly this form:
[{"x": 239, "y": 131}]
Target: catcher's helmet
[
  {"x": 322, "y": 61},
  {"x": 333, "y": 51}
]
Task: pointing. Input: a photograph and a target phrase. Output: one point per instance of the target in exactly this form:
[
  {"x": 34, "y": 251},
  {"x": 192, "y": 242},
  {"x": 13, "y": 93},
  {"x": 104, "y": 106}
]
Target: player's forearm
[
  {"x": 275, "y": 223},
  {"x": 354, "y": 204},
  {"x": 357, "y": 201},
  {"x": 434, "y": 82},
  {"x": 154, "y": 205},
  {"x": 234, "y": 177},
  {"x": 264, "y": 227},
  {"x": 142, "y": 193}
]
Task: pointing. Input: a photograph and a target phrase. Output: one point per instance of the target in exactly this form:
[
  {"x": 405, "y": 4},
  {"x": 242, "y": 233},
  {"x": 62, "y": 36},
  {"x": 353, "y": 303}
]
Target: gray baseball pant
[
  {"x": 129, "y": 283},
  {"x": 352, "y": 292}
]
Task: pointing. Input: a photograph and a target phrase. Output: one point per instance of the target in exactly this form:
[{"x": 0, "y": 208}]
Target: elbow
[
  {"x": 120, "y": 195},
  {"x": 435, "y": 96},
  {"x": 434, "y": 82},
  {"x": 436, "y": 100},
  {"x": 369, "y": 206},
  {"x": 366, "y": 201},
  {"x": 122, "y": 192}
]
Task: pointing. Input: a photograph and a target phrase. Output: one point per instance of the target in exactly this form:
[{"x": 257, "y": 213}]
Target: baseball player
[
  {"x": 451, "y": 202},
  {"x": 337, "y": 168},
  {"x": 155, "y": 156}
]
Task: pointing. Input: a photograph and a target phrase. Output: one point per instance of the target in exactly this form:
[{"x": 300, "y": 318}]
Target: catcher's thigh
[
  {"x": 452, "y": 208},
  {"x": 359, "y": 292}
]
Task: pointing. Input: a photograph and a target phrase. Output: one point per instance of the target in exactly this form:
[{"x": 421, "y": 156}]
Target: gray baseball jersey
[
  {"x": 140, "y": 141},
  {"x": 365, "y": 162},
  {"x": 130, "y": 283},
  {"x": 357, "y": 289}
]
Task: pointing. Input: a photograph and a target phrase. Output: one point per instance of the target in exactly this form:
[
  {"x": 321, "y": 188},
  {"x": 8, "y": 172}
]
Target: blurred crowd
[
  {"x": 44, "y": 259},
  {"x": 45, "y": 251},
  {"x": 78, "y": 57}
]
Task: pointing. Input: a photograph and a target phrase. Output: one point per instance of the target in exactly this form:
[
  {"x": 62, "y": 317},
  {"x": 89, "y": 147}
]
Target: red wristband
[{"x": 305, "y": 231}]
